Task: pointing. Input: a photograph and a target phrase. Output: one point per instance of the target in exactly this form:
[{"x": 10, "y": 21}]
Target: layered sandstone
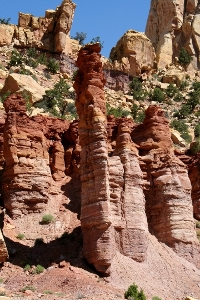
[
  {"x": 172, "y": 25},
  {"x": 132, "y": 182},
  {"x": 35, "y": 154},
  {"x": 194, "y": 174},
  {"x": 50, "y": 33},
  {"x": 133, "y": 54}
]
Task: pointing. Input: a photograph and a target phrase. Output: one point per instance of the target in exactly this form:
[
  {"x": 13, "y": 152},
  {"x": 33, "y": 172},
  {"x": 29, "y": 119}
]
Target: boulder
[
  {"x": 134, "y": 53},
  {"x": 20, "y": 83}
]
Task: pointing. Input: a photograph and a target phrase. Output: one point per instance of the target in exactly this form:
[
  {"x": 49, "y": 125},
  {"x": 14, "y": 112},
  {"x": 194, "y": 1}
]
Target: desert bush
[
  {"x": 28, "y": 287},
  {"x": 181, "y": 127},
  {"x": 46, "y": 219},
  {"x": 184, "y": 57},
  {"x": 42, "y": 59},
  {"x": 183, "y": 112},
  {"x": 171, "y": 90},
  {"x": 137, "y": 90},
  {"x": 184, "y": 84},
  {"x": 54, "y": 101},
  {"x": 97, "y": 40},
  {"x": 156, "y": 298},
  {"x": 178, "y": 97},
  {"x": 133, "y": 293},
  {"x": 20, "y": 236},
  {"x": 53, "y": 65},
  {"x": 197, "y": 130},
  {"x": 16, "y": 58},
  {"x": 27, "y": 267},
  {"x": 4, "y": 96},
  {"x": 116, "y": 112},
  {"x": 38, "y": 269},
  {"x": 195, "y": 147},
  {"x": 158, "y": 95}
]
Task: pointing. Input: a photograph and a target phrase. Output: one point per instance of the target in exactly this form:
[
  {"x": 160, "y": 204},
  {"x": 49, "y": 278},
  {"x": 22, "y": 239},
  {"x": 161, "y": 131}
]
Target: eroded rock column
[{"x": 96, "y": 226}]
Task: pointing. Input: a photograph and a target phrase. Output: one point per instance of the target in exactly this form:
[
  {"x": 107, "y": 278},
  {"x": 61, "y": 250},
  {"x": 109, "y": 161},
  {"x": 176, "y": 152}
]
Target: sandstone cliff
[
  {"x": 172, "y": 25},
  {"x": 50, "y": 33},
  {"x": 133, "y": 54},
  {"x": 132, "y": 183}
]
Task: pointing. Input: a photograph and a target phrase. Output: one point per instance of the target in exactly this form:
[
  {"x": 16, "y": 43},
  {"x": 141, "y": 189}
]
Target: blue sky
[{"x": 107, "y": 19}]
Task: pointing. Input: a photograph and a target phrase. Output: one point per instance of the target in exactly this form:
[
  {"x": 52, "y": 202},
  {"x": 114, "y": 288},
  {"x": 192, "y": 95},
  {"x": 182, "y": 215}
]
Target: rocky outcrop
[
  {"x": 172, "y": 25},
  {"x": 49, "y": 33},
  {"x": 132, "y": 182},
  {"x": 21, "y": 83},
  {"x": 133, "y": 54},
  {"x": 35, "y": 151},
  {"x": 194, "y": 174}
]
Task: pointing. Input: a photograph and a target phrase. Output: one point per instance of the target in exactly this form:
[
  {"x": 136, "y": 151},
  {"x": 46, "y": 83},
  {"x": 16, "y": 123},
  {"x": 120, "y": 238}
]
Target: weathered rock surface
[
  {"x": 172, "y": 25},
  {"x": 34, "y": 150},
  {"x": 194, "y": 174},
  {"x": 133, "y": 54},
  {"x": 50, "y": 32},
  {"x": 128, "y": 193},
  {"x": 23, "y": 83}
]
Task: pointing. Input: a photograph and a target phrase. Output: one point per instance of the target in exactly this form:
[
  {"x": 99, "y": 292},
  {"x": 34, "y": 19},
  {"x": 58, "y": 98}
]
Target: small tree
[
  {"x": 97, "y": 40},
  {"x": 133, "y": 293},
  {"x": 54, "y": 100},
  {"x": 80, "y": 37},
  {"x": 5, "y": 21},
  {"x": 184, "y": 57}
]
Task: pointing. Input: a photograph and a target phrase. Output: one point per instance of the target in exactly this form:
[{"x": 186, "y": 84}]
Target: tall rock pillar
[{"x": 95, "y": 208}]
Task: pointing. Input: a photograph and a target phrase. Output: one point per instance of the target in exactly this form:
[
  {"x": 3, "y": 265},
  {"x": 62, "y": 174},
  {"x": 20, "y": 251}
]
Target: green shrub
[
  {"x": 25, "y": 71},
  {"x": 183, "y": 112},
  {"x": 195, "y": 147},
  {"x": 184, "y": 84},
  {"x": 47, "y": 292},
  {"x": 156, "y": 298},
  {"x": 2, "y": 293},
  {"x": 135, "y": 84},
  {"x": 181, "y": 127},
  {"x": 46, "y": 219},
  {"x": 197, "y": 224},
  {"x": 32, "y": 52},
  {"x": 197, "y": 130},
  {"x": 140, "y": 117},
  {"x": 116, "y": 112},
  {"x": 158, "y": 95},
  {"x": 4, "y": 96},
  {"x": 133, "y": 293},
  {"x": 42, "y": 59},
  {"x": 178, "y": 97},
  {"x": 193, "y": 100},
  {"x": 16, "y": 58},
  {"x": 53, "y": 65},
  {"x": 27, "y": 267},
  {"x": 184, "y": 57},
  {"x": 38, "y": 269},
  {"x": 171, "y": 90},
  {"x": 28, "y": 287},
  {"x": 20, "y": 236}
]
